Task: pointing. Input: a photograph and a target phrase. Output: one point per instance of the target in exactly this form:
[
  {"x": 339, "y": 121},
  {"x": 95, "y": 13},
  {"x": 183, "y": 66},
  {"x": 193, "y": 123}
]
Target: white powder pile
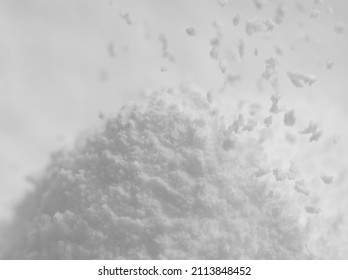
[{"x": 168, "y": 180}]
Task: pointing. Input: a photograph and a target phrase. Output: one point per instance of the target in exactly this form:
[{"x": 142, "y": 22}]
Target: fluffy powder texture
[{"x": 157, "y": 182}]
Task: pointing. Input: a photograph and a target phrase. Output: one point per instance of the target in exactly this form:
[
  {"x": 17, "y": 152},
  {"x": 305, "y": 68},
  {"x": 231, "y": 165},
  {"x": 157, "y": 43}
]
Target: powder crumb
[
  {"x": 262, "y": 171},
  {"x": 258, "y": 4},
  {"x": 279, "y": 174},
  {"x": 250, "y": 125},
  {"x": 312, "y": 209},
  {"x": 237, "y": 124},
  {"x": 300, "y": 79},
  {"x": 237, "y": 19},
  {"x": 101, "y": 115},
  {"x": 214, "y": 53},
  {"x": 310, "y": 129},
  {"x": 223, "y": 65},
  {"x": 300, "y": 188},
  {"x": 164, "y": 69},
  {"x": 278, "y": 50},
  {"x": 253, "y": 26},
  {"x": 268, "y": 121},
  {"x": 275, "y": 103},
  {"x": 270, "y": 69},
  {"x": 289, "y": 118},
  {"x": 166, "y": 53},
  {"x": 280, "y": 14},
  {"x": 127, "y": 18},
  {"x": 269, "y": 25},
  {"x": 111, "y": 49},
  {"x": 209, "y": 97},
  {"x": 241, "y": 49},
  {"x": 218, "y": 26},
  {"x": 329, "y": 9},
  {"x": 314, "y": 14},
  {"x": 339, "y": 27},
  {"x": 223, "y": 3},
  {"x": 191, "y": 31},
  {"x": 329, "y": 65},
  {"x": 315, "y": 136},
  {"x": 327, "y": 179},
  {"x": 228, "y": 144}
]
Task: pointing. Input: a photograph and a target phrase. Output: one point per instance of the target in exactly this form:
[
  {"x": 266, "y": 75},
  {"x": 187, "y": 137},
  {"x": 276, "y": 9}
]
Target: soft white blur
[{"x": 64, "y": 61}]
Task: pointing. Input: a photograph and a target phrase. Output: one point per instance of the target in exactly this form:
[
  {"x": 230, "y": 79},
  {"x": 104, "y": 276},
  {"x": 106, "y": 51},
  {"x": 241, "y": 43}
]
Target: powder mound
[{"x": 157, "y": 182}]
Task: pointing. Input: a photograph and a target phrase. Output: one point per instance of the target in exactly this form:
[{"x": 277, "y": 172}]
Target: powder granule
[
  {"x": 254, "y": 26},
  {"x": 237, "y": 19},
  {"x": 289, "y": 118},
  {"x": 301, "y": 79},
  {"x": 157, "y": 183}
]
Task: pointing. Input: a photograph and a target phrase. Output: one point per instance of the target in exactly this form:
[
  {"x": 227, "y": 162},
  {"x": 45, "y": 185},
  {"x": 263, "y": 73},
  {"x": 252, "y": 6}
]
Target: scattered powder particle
[
  {"x": 289, "y": 118},
  {"x": 111, "y": 49},
  {"x": 127, "y": 18},
  {"x": 231, "y": 80},
  {"x": 280, "y": 14},
  {"x": 293, "y": 171},
  {"x": 241, "y": 49},
  {"x": 269, "y": 24},
  {"x": 256, "y": 52},
  {"x": 313, "y": 130},
  {"x": 164, "y": 69},
  {"x": 262, "y": 171},
  {"x": 314, "y": 14},
  {"x": 223, "y": 65},
  {"x": 218, "y": 26},
  {"x": 279, "y": 174},
  {"x": 250, "y": 125},
  {"x": 191, "y": 31},
  {"x": 237, "y": 19},
  {"x": 253, "y": 26},
  {"x": 329, "y": 65},
  {"x": 223, "y": 3},
  {"x": 254, "y": 109},
  {"x": 300, "y": 7},
  {"x": 339, "y": 27},
  {"x": 329, "y": 9},
  {"x": 228, "y": 144},
  {"x": 101, "y": 115},
  {"x": 270, "y": 69},
  {"x": 327, "y": 179},
  {"x": 215, "y": 42},
  {"x": 275, "y": 103},
  {"x": 278, "y": 50},
  {"x": 268, "y": 121},
  {"x": 312, "y": 209},
  {"x": 237, "y": 124},
  {"x": 166, "y": 53},
  {"x": 301, "y": 79},
  {"x": 319, "y": 2},
  {"x": 315, "y": 136},
  {"x": 209, "y": 97},
  {"x": 310, "y": 129},
  {"x": 300, "y": 188},
  {"x": 258, "y": 4},
  {"x": 214, "y": 53}
]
